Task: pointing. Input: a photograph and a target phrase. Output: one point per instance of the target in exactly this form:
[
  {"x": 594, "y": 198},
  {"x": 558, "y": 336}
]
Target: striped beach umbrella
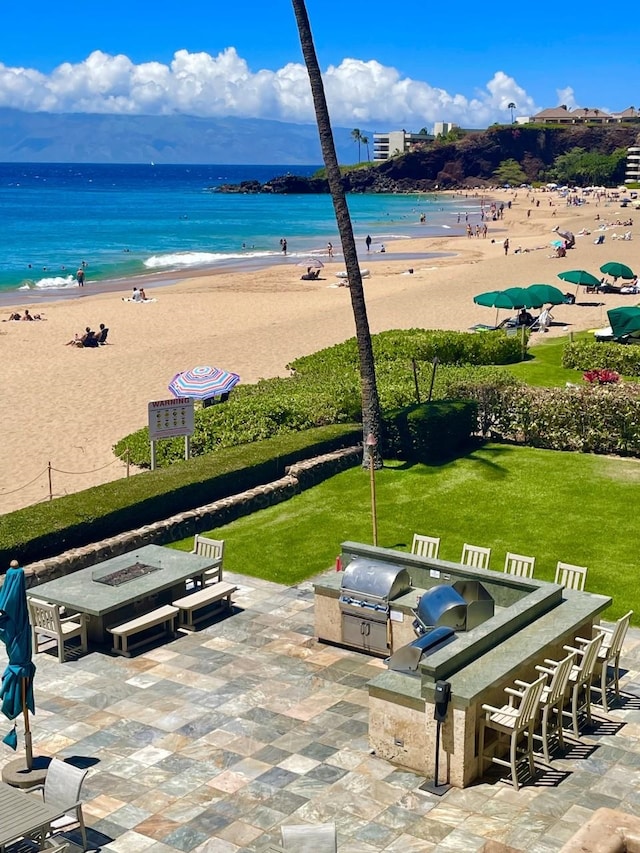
[{"x": 202, "y": 383}]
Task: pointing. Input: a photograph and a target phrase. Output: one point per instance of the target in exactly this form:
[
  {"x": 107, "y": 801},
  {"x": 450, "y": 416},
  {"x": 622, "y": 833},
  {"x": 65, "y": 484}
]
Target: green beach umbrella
[
  {"x": 547, "y": 293},
  {"x": 613, "y": 268},
  {"x": 494, "y": 299},
  {"x": 624, "y": 320},
  {"x": 579, "y": 277},
  {"x": 522, "y": 297}
]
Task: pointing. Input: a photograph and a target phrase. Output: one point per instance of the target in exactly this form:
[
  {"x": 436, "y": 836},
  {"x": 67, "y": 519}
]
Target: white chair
[
  {"x": 519, "y": 566},
  {"x": 570, "y": 576},
  {"x": 46, "y": 622},
  {"x": 612, "y": 641},
  {"x": 514, "y": 722},
  {"x": 61, "y": 789},
  {"x": 580, "y": 678},
  {"x": 203, "y": 546},
  {"x": 553, "y": 699},
  {"x": 321, "y": 838},
  {"x": 425, "y": 546},
  {"x": 475, "y": 556}
]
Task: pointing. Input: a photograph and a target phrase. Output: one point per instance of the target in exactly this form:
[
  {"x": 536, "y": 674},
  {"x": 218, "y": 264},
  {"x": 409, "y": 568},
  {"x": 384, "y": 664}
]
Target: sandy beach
[{"x": 67, "y": 406}]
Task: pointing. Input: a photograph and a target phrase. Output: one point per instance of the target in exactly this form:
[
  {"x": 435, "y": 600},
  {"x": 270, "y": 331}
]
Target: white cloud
[
  {"x": 358, "y": 92},
  {"x": 566, "y": 96}
]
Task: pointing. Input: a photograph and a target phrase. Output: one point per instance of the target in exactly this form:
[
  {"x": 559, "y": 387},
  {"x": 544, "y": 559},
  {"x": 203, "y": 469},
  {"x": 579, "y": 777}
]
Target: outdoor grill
[
  {"x": 367, "y": 588},
  {"x": 461, "y": 606},
  {"x": 407, "y": 658}
]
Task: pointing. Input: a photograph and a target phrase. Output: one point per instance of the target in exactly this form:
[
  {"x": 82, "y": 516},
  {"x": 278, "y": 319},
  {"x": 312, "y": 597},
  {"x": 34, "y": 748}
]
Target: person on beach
[
  {"x": 80, "y": 277},
  {"x": 143, "y": 295},
  {"x": 330, "y": 249},
  {"x": 27, "y": 316},
  {"x": 505, "y": 246},
  {"x": 136, "y": 296},
  {"x": 283, "y": 245},
  {"x": 368, "y": 242}
]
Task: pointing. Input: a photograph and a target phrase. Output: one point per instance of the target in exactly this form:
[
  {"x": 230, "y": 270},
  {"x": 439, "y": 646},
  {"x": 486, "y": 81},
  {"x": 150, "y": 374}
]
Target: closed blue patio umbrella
[{"x": 16, "y": 691}]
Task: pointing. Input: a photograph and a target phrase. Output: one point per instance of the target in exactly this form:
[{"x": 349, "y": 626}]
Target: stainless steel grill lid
[
  {"x": 407, "y": 658},
  {"x": 442, "y": 605},
  {"x": 374, "y": 579}
]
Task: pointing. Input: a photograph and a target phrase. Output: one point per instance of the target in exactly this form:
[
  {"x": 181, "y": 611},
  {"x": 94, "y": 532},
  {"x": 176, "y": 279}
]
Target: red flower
[{"x": 601, "y": 376}]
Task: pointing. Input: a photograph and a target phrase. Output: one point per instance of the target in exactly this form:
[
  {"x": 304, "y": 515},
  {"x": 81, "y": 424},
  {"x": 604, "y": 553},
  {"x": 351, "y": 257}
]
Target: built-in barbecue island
[{"x": 437, "y": 621}]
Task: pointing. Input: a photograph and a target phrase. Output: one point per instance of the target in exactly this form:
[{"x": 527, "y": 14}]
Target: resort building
[
  {"x": 387, "y": 145},
  {"x": 583, "y": 115},
  {"x": 632, "y": 175},
  {"x": 441, "y": 128}
]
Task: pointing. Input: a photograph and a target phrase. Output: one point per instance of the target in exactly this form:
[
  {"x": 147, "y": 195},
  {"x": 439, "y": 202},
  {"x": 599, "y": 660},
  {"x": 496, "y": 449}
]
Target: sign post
[{"x": 168, "y": 419}]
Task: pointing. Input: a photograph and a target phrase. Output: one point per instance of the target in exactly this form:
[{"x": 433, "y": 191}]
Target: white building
[
  {"x": 633, "y": 163},
  {"x": 387, "y": 145},
  {"x": 441, "y": 128}
]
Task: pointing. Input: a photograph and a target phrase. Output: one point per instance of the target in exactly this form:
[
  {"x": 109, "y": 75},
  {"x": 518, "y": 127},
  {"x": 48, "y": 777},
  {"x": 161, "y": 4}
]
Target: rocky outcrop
[{"x": 467, "y": 162}]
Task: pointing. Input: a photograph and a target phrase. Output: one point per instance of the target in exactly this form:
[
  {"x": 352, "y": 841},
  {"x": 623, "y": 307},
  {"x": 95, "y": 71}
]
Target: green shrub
[
  {"x": 46, "y": 529},
  {"x": 594, "y": 355},
  {"x": 429, "y": 432},
  {"x": 590, "y": 419},
  {"x": 487, "y": 388}
]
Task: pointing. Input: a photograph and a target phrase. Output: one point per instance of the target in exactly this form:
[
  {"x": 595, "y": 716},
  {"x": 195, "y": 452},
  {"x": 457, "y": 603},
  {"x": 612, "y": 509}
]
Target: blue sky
[{"x": 386, "y": 65}]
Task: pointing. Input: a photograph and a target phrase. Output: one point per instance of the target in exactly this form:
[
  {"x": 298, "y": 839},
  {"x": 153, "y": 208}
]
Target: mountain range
[{"x": 99, "y": 138}]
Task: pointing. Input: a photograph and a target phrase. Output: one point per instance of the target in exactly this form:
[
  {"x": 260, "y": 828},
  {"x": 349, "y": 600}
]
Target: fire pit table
[{"x": 125, "y": 586}]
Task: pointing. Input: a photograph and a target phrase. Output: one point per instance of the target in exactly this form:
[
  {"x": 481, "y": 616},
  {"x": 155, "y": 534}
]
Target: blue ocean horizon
[{"x": 164, "y": 222}]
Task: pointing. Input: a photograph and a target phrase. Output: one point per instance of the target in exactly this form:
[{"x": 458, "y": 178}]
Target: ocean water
[{"x": 133, "y": 220}]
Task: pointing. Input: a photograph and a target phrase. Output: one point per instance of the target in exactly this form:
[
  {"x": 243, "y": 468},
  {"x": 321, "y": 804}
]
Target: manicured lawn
[
  {"x": 554, "y": 506},
  {"x": 543, "y": 366}
]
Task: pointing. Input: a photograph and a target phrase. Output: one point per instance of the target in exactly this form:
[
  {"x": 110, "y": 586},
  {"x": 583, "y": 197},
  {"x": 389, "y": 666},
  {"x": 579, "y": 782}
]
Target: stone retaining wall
[{"x": 298, "y": 478}]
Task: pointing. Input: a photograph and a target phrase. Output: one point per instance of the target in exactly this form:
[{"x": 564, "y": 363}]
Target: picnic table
[
  {"x": 126, "y": 586},
  {"x": 22, "y": 814}
]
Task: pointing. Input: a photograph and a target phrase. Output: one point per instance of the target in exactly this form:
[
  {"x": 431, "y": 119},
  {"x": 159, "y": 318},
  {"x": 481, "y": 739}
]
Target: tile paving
[{"x": 210, "y": 742}]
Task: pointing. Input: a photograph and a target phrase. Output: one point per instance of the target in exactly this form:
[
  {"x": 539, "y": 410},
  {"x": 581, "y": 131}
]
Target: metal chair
[
  {"x": 475, "y": 556},
  {"x": 321, "y": 838},
  {"x": 425, "y": 546},
  {"x": 612, "y": 641},
  {"x": 61, "y": 789},
  {"x": 46, "y": 622},
  {"x": 580, "y": 678},
  {"x": 553, "y": 699},
  {"x": 571, "y": 577},
  {"x": 203, "y": 546},
  {"x": 514, "y": 722},
  {"x": 519, "y": 566}
]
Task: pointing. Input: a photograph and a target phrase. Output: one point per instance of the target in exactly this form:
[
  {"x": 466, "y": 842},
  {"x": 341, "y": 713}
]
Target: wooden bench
[
  {"x": 164, "y": 617},
  {"x": 201, "y": 604}
]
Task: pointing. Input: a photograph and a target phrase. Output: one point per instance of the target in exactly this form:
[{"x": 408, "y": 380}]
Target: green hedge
[
  {"x": 46, "y": 529},
  {"x": 595, "y": 355},
  {"x": 421, "y": 345},
  {"x": 429, "y": 432},
  {"x": 325, "y": 388},
  {"x": 590, "y": 419}
]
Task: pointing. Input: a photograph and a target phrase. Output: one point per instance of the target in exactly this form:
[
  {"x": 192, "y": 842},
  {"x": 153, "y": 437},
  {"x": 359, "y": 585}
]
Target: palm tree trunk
[{"x": 371, "y": 419}]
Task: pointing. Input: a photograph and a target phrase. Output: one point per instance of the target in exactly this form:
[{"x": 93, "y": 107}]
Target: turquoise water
[{"x": 128, "y": 220}]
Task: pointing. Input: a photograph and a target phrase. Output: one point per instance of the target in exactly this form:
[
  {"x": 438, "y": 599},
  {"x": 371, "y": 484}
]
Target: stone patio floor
[{"x": 210, "y": 742}]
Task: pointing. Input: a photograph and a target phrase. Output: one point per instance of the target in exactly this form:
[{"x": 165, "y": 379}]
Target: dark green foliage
[
  {"x": 589, "y": 419},
  {"x": 325, "y": 389},
  {"x": 429, "y": 432},
  {"x": 45, "y": 529},
  {"x": 592, "y": 355}
]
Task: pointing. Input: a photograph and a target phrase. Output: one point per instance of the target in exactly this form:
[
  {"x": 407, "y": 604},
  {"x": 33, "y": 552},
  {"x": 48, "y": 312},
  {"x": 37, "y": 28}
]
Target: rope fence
[{"x": 50, "y": 470}]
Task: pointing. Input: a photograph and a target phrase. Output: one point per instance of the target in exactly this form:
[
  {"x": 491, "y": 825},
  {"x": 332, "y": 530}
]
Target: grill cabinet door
[{"x": 365, "y": 634}]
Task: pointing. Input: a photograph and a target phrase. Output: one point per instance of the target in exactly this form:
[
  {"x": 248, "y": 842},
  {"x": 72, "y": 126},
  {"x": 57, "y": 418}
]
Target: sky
[{"x": 385, "y": 66}]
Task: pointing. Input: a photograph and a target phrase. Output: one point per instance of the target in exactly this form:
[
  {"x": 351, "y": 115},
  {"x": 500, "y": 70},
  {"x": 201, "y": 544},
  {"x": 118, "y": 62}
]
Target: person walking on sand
[
  {"x": 368, "y": 242},
  {"x": 330, "y": 249},
  {"x": 505, "y": 246}
]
